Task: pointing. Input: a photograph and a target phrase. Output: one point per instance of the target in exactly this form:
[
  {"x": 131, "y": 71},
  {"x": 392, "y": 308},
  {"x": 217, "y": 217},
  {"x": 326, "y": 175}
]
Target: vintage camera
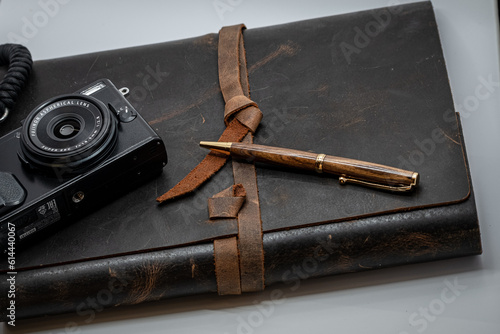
[{"x": 72, "y": 153}]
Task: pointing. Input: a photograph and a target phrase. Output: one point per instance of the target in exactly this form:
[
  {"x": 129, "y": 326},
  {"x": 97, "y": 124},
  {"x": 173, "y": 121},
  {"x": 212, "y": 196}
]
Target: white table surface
[{"x": 409, "y": 299}]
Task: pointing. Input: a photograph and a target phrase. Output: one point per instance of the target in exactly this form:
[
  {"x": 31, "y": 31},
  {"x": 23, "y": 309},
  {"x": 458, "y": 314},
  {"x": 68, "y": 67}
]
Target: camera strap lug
[{"x": 124, "y": 91}]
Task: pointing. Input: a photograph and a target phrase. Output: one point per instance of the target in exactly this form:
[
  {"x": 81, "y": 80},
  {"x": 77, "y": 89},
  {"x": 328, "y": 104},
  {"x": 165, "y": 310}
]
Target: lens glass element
[{"x": 67, "y": 129}]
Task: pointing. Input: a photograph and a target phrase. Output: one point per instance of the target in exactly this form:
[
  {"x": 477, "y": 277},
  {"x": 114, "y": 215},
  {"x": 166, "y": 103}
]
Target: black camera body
[{"x": 73, "y": 153}]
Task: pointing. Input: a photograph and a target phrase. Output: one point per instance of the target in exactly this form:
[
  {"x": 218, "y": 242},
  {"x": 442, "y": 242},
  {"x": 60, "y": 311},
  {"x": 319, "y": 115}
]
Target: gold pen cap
[{"x": 222, "y": 147}]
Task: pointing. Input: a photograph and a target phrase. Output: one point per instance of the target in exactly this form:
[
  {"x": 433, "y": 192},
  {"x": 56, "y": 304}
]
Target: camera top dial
[{"x": 68, "y": 134}]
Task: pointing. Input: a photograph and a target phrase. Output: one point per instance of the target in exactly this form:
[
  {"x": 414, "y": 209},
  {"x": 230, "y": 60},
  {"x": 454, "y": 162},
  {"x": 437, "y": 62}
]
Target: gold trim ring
[{"x": 318, "y": 166}]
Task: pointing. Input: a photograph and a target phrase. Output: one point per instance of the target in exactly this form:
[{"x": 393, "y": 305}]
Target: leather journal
[{"x": 369, "y": 85}]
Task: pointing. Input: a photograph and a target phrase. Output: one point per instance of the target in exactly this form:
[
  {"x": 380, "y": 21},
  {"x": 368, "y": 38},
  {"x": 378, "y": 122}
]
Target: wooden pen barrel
[
  {"x": 367, "y": 171},
  {"x": 351, "y": 168}
]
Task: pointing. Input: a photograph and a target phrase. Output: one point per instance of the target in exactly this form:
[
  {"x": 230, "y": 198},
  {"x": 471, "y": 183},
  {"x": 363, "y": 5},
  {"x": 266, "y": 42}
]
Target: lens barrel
[{"x": 68, "y": 134}]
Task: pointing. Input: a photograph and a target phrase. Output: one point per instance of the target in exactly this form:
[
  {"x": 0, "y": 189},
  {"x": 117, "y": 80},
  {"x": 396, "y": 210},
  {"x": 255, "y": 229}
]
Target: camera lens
[{"x": 68, "y": 134}]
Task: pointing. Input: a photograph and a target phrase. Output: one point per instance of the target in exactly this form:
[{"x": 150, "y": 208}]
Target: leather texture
[
  {"x": 385, "y": 106},
  {"x": 390, "y": 104}
]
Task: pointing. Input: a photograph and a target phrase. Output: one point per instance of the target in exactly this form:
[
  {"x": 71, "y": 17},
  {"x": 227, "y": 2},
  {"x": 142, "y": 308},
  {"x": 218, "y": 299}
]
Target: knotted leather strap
[
  {"x": 239, "y": 261},
  {"x": 241, "y": 114},
  {"x": 233, "y": 79},
  {"x": 222, "y": 206},
  {"x": 227, "y": 203}
]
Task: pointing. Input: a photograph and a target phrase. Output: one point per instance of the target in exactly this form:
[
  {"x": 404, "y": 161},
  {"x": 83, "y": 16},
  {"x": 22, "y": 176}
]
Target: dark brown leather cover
[{"x": 385, "y": 100}]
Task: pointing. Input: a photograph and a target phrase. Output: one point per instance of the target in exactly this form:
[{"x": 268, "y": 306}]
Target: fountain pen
[{"x": 349, "y": 170}]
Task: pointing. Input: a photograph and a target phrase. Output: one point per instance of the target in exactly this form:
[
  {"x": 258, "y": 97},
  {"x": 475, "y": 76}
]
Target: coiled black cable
[{"x": 18, "y": 58}]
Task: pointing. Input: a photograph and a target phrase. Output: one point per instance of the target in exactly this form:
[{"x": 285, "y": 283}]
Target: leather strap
[
  {"x": 227, "y": 270},
  {"x": 250, "y": 244},
  {"x": 208, "y": 166},
  {"x": 239, "y": 261},
  {"x": 235, "y": 87},
  {"x": 233, "y": 79},
  {"x": 241, "y": 114},
  {"x": 227, "y": 203}
]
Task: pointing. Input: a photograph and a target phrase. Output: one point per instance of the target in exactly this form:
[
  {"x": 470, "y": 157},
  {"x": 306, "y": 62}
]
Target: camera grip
[{"x": 12, "y": 192}]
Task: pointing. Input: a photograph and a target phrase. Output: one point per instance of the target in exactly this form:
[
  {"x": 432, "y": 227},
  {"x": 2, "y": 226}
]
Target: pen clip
[{"x": 344, "y": 180}]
